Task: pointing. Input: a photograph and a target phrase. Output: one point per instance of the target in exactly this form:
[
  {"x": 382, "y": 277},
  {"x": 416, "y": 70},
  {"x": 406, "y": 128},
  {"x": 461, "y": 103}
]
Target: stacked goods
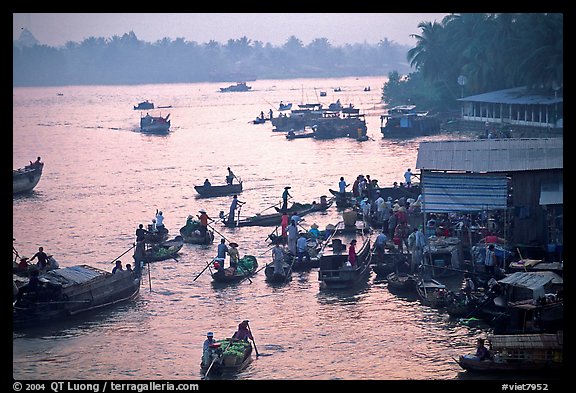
[
  {"x": 234, "y": 351},
  {"x": 246, "y": 264}
]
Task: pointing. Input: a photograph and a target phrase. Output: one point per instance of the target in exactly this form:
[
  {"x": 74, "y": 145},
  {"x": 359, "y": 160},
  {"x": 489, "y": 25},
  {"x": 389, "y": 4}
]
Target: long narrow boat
[
  {"x": 228, "y": 356},
  {"x": 26, "y": 178},
  {"x": 219, "y": 190},
  {"x": 334, "y": 272},
  {"x": 519, "y": 353},
  {"x": 72, "y": 290},
  {"x": 275, "y": 219}
]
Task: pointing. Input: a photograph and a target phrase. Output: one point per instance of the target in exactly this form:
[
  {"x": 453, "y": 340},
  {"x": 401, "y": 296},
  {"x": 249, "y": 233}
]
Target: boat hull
[
  {"x": 73, "y": 290},
  {"x": 214, "y": 191},
  {"x": 25, "y": 179}
]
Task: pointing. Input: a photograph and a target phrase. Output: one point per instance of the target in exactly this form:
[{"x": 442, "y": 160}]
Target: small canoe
[
  {"x": 283, "y": 277},
  {"x": 229, "y": 356},
  {"x": 163, "y": 251},
  {"x": 247, "y": 266}
]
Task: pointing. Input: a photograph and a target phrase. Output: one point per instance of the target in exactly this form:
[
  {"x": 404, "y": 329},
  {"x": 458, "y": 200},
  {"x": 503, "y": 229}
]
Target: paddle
[
  {"x": 289, "y": 270},
  {"x": 133, "y": 245},
  {"x": 252, "y": 336},
  {"x": 206, "y": 267},
  {"x": 224, "y": 237}
]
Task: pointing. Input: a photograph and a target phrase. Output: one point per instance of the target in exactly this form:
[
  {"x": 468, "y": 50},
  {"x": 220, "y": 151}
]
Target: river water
[{"x": 102, "y": 177}]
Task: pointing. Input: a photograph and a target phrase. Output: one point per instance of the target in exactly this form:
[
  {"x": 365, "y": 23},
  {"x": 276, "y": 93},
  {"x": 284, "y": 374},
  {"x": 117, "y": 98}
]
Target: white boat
[{"x": 26, "y": 178}]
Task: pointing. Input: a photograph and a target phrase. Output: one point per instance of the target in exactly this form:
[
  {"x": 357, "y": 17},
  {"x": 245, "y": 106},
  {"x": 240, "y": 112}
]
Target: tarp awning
[
  {"x": 552, "y": 193},
  {"x": 532, "y": 280},
  {"x": 460, "y": 192}
]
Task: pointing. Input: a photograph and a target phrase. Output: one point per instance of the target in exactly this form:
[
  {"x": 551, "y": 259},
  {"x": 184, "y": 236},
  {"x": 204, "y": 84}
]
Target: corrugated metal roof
[
  {"x": 532, "y": 280},
  {"x": 491, "y": 155},
  {"x": 527, "y": 341},
  {"x": 516, "y": 95}
]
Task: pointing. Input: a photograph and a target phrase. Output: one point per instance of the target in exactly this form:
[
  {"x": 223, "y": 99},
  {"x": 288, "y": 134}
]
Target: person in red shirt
[
  {"x": 352, "y": 253},
  {"x": 203, "y": 222}
]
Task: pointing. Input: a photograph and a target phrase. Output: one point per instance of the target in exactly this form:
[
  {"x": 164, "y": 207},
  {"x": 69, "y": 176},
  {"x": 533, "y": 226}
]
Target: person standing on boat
[
  {"x": 352, "y": 253},
  {"x": 302, "y": 249},
  {"x": 42, "y": 258},
  {"x": 233, "y": 206},
  {"x": 284, "y": 224},
  {"x": 408, "y": 177},
  {"x": 203, "y": 217},
  {"x": 380, "y": 243},
  {"x": 230, "y": 177},
  {"x": 234, "y": 255},
  {"x": 342, "y": 185},
  {"x": 292, "y": 237},
  {"x": 490, "y": 260},
  {"x": 222, "y": 250},
  {"x": 418, "y": 250},
  {"x": 159, "y": 220},
  {"x": 285, "y": 196},
  {"x": 278, "y": 259}
]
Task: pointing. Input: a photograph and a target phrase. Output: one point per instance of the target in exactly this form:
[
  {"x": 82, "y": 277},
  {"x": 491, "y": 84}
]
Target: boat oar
[
  {"x": 254, "y": 341},
  {"x": 224, "y": 237},
  {"x": 289, "y": 270},
  {"x": 206, "y": 267},
  {"x": 133, "y": 245},
  {"x": 213, "y": 361}
]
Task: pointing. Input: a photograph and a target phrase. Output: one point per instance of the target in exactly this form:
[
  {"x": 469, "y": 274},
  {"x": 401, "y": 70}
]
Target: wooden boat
[
  {"x": 25, "y": 179},
  {"x": 219, "y": 190},
  {"x": 279, "y": 278},
  {"x": 299, "y": 134},
  {"x": 144, "y": 105},
  {"x": 285, "y": 107},
  {"x": 275, "y": 219},
  {"x": 239, "y": 86},
  {"x": 191, "y": 234},
  {"x": 73, "y": 290},
  {"x": 405, "y": 121},
  {"x": 163, "y": 251},
  {"x": 401, "y": 282},
  {"x": 228, "y": 356},
  {"x": 334, "y": 272},
  {"x": 384, "y": 264},
  {"x": 519, "y": 353},
  {"x": 155, "y": 124},
  {"x": 432, "y": 293},
  {"x": 247, "y": 266},
  {"x": 305, "y": 208},
  {"x": 351, "y": 126}
]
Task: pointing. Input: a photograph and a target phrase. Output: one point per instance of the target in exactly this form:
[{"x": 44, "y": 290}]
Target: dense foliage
[
  {"x": 128, "y": 60},
  {"x": 491, "y": 51}
]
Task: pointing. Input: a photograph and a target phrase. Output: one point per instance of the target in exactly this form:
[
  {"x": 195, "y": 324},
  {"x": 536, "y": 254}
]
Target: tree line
[
  {"x": 484, "y": 52},
  {"x": 127, "y": 60}
]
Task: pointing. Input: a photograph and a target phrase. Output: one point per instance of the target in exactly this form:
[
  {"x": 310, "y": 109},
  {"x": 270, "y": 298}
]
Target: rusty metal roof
[{"x": 491, "y": 155}]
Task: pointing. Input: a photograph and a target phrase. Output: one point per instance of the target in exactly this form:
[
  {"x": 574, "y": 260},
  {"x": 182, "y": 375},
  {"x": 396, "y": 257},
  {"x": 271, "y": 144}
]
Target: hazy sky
[{"x": 274, "y": 28}]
